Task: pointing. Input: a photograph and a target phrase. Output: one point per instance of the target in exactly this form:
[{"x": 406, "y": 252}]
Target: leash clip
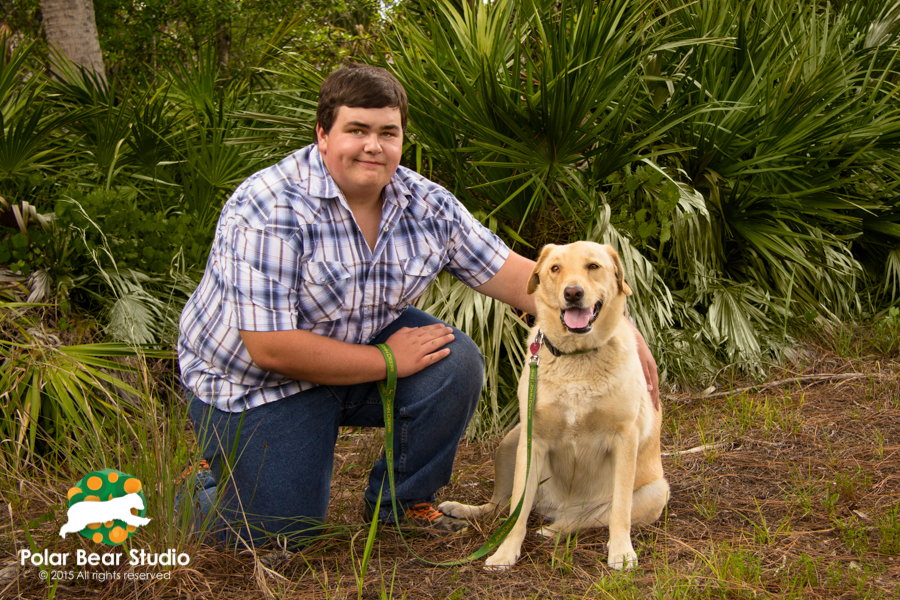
[{"x": 536, "y": 346}]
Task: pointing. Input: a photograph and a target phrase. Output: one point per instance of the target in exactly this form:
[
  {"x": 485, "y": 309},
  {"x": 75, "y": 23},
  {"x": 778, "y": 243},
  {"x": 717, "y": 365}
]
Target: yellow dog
[{"x": 595, "y": 452}]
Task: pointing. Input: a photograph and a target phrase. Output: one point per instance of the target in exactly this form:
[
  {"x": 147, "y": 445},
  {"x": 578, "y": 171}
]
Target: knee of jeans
[
  {"x": 465, "y": 360},
  {"x": 465, "y": 352}
]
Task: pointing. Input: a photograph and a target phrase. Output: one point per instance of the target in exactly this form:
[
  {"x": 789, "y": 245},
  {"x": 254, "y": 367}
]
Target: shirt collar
[{"x": 321, "y": 184}]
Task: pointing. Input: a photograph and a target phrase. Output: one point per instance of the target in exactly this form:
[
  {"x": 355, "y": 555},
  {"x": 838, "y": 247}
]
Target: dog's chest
[
  {"x": 574, "y": 410},
  {"x": 585, "y": 406}
]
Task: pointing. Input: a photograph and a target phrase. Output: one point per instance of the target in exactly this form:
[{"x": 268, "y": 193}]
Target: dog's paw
[
  {"x": 455, "y": 509},
  {"x": 548, "y": 531},
  {"x": 501, "y": 561},
  {"x": 622, "y": 561}
]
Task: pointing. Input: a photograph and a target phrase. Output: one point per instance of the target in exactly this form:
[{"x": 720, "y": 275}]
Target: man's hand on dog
[
  {"x": 648, "y": 364},
  {"x": 415, "y": 348}
]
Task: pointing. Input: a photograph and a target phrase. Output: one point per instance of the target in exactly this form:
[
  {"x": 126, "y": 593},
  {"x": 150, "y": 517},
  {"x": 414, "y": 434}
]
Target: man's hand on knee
[{"x": 418, "y": 347}]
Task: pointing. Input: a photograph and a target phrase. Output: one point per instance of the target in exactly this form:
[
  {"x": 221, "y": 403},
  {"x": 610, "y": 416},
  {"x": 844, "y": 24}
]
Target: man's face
[{"x": 362, "y": 150}]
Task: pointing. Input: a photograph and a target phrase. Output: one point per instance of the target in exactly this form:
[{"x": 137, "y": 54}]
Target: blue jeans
[{"x": 283, "y": 452}]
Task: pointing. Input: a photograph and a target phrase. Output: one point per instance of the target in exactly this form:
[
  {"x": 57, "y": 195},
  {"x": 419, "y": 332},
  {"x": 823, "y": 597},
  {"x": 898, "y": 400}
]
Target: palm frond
[
  {"x": 55, "y": 394},
  {"x": 652, "y": 302},
  {"x": 499, "y": 333}
]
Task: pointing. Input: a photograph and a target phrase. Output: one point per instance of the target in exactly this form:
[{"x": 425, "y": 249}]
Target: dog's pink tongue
[{"x": 578, "y": 318}]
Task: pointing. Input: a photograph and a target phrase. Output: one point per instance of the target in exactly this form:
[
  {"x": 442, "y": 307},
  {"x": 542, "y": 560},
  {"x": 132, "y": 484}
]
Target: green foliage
[
  {"x": 139, "y": 239},
  {"x": 212, "y": 165},
  {"x": 746, "y": 151},
  {"x": 36, "y": 248},
  {"x": 138, "y": 39},
  {"x": 788, "y": 137},
  {"x": 523, "y": 107},
  {"x": 53, "y": 391},
  {"x": 887, "y": 332},
  {"x": 21, "y": 250},
  {"x": 888, "y": 526},
  {"x": 646, "y": 201},
  {"x": 367, "y": 551},
  {"x": 854, "y": 536},
  {"x": 29, "y": 130},
  {"x": 498, "y": 332},
  {"x": 133, "y": 178},
  {"x": 143, "y": 435}
]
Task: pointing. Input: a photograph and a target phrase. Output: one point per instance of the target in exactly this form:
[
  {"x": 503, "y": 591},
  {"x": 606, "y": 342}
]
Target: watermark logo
[{"x": 106, "y": 507}]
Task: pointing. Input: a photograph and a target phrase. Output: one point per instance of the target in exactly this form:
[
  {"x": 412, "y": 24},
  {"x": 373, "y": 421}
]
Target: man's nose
[{"x": 373, "y": 144}]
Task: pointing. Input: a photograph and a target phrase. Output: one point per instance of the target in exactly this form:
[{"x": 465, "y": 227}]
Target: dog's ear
[
  {"x": 620, "y": 274},
  {"x": 535, "y": 278}
]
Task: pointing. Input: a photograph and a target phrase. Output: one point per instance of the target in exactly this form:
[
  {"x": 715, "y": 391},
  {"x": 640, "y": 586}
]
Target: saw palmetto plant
[
  {"x": 52, "y": 391},
  {"x": 777, "y": 122}
]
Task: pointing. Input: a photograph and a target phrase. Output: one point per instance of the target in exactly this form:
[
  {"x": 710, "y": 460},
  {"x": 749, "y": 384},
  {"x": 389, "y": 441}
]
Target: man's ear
[
  {"x": 620, "y": 274},
  {"x": 535, "y": 279}
]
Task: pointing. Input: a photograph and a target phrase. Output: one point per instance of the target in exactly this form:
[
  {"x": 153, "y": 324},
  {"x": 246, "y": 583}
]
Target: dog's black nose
[{"x": 573, "y": 294}]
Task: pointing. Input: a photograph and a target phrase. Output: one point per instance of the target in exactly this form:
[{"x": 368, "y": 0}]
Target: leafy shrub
[
  {"x": 137, "y": 238},
  {"x": 54, "y": 393},
  {"x": 19, "y": 251},
  {"x": 773, "y": 184},
  {"x": 644, "y": 200}
]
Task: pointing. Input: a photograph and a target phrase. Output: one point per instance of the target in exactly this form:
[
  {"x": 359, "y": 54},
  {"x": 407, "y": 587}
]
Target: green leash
[{"x": 388, "y": 389}]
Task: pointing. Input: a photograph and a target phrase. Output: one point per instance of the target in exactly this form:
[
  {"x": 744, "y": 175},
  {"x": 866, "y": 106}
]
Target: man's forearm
[{"x": 306, "y": 356}]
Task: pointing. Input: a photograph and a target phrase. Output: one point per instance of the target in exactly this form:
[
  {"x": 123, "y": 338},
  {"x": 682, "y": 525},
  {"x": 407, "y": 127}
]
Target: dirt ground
[{"x": 790, "y": 491}]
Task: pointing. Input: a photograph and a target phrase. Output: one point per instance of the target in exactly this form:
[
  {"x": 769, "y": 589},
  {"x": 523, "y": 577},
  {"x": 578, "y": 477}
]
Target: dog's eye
[
  {"x": 554, "y": 269},
  {"x": 593, "y": 266}
]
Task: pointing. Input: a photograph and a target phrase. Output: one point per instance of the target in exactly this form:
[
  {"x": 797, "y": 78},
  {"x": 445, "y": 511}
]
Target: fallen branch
[
  {"x": 735, "y": 445},
  {"x": 831, "y": 377},
  {"x": 703, "y": 448}
]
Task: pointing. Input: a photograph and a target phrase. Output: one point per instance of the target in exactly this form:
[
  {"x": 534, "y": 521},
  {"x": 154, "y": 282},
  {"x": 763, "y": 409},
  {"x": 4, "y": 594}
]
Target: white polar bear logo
[{"x": 84, "y": 513}]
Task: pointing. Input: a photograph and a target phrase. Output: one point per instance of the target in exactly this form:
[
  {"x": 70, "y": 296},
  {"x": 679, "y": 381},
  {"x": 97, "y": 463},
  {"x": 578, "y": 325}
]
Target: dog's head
[
  {"x": 134, "y": 501},
  {"x": 577, "y": 284}
]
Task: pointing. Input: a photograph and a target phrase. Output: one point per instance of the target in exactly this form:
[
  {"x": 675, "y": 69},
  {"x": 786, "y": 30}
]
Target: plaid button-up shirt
[{"x": 288, "y": 254}]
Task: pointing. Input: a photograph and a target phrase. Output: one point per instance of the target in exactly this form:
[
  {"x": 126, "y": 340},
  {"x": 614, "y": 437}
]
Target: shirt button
[{"x": 385, "y": 229}]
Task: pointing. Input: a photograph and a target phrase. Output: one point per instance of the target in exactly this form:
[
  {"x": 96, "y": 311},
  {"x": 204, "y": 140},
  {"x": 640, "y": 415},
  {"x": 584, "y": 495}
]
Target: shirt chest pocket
[
  {"x": 323, "y": 287},
  {"x": 418, "y": 273}
]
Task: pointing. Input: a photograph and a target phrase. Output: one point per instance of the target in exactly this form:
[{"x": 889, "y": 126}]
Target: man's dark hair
[{"x": 358, "y": 85}]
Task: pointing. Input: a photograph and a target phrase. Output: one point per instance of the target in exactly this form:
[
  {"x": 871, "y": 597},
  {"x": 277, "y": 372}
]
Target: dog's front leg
[
  {"x": 136, "y": 520},
  {"x": 621, "y": 552},
  {"x": 510, "y": 550}
]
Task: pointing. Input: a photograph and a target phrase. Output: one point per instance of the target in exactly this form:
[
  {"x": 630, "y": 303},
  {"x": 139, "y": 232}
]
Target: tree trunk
[
  {"x": 70, "y": 28},
  {"x": 223, "y": 44}
]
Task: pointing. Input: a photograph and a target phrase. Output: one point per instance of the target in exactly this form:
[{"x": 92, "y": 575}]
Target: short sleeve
[{"x": 475, "y": 252}]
